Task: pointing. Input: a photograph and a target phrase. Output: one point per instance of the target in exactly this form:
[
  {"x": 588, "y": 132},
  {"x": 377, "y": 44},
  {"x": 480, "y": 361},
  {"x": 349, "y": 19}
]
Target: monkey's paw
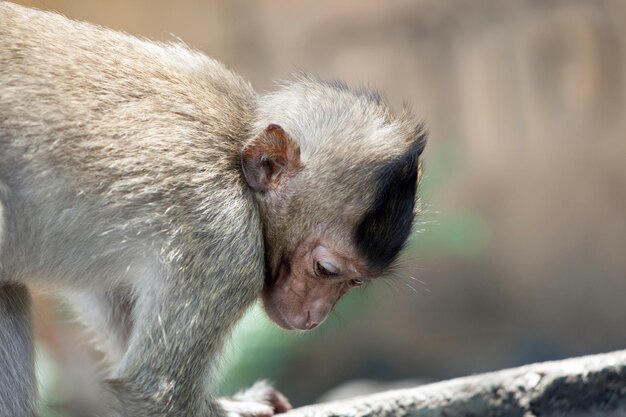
[{"x": 260, "y": 400}]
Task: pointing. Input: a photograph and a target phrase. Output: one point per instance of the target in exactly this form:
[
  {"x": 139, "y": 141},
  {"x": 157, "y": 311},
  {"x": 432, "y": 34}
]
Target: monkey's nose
[
  {"x": 310, "y": 323},
  {"x": 305, "y": 322}
]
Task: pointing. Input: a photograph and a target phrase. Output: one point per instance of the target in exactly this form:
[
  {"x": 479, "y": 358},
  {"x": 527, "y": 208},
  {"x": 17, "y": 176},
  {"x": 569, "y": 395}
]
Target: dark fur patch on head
[{"x": 386, "y": 225}]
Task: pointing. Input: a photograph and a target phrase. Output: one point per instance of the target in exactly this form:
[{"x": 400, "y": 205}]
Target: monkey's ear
[{"x": 270, "y": 159}]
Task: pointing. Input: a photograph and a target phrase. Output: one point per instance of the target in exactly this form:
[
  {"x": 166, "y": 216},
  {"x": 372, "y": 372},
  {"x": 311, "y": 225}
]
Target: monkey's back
[
  {"x": 103, "y": 135},
  {"x": 67, "y": 86}
]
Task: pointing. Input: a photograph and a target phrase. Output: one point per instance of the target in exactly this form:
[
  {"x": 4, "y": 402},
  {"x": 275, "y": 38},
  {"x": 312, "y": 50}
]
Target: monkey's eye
[
  {"x": 326, "y": 269},
  {"x": 356, "y": 282}
]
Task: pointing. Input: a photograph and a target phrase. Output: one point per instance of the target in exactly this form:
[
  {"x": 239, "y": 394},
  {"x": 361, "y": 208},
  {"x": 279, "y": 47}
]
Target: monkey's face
[
  {"x": 305, "y": 287},
  {"x": 336, "y": 175}
]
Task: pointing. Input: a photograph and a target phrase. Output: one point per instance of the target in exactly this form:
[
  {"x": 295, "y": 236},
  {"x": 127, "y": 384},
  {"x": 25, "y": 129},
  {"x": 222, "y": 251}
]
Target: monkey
[{"x": 162, "y": 196}]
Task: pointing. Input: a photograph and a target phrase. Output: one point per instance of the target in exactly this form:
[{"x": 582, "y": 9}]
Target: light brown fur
[{"x": 121, "y": 183}]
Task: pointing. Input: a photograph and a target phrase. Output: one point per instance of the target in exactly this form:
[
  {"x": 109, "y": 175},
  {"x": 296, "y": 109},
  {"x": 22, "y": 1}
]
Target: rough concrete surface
[{"x": 593, "y": 386}]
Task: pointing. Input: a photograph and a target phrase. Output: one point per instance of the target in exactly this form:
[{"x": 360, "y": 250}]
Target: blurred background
[{"x": 521, "y": 253}]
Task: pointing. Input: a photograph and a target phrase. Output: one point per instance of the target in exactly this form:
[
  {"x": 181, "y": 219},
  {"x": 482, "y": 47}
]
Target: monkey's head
[{"x": 336, "y": 175}]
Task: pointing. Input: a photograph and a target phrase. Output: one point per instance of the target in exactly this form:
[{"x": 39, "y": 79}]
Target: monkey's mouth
[
  {"x": 275, "y": 275},
  {"x": 272, "y": 310},
  {"x": 272, "y": 277},
  {"x": 269, "y": 278}
]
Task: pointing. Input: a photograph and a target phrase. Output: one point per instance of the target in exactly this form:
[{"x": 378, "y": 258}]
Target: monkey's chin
[{"x": 272, "y": 310}]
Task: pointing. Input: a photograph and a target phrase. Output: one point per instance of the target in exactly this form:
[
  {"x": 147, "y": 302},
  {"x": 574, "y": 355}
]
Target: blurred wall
[{"x": 522, "y": 257}]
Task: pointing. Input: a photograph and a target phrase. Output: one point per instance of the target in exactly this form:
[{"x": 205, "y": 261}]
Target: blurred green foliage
[
  {"x": 50, "y": 386},
  {"x": 258, "y": 348}
]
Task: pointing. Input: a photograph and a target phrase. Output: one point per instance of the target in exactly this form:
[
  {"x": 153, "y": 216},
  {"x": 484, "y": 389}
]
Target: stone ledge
[{"x": 589, "y": 386}]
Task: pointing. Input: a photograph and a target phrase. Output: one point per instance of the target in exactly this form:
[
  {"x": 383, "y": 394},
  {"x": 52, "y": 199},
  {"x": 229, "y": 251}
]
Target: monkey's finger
[
  {"x": 263, "y": 392},
  {"x": 280, "y": 403},
  {"x": 245, "y": 409}
]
